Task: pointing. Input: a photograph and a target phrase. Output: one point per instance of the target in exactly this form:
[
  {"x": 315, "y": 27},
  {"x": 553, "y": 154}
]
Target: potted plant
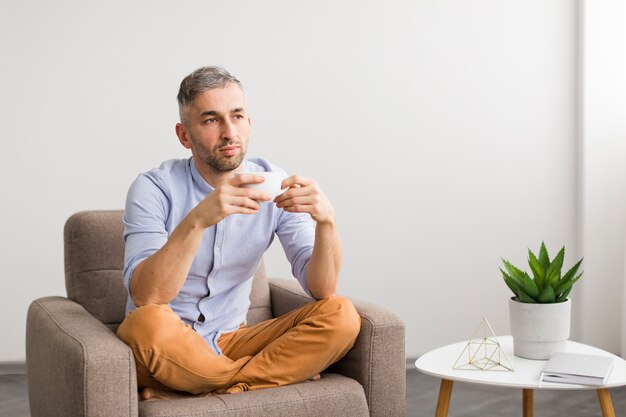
[{"x": 540, "y": 311}]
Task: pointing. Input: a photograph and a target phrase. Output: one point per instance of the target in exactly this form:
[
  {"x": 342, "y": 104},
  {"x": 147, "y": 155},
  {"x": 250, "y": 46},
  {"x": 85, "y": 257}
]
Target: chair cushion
[{"x": 332, "y": 396}]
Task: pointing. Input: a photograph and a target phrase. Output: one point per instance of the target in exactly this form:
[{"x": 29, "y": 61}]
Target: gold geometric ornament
[{"x": 483, "y": 353}]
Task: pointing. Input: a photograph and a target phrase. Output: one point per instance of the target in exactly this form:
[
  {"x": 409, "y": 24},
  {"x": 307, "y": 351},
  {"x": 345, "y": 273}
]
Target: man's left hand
[{"x": 305, "y": 196}]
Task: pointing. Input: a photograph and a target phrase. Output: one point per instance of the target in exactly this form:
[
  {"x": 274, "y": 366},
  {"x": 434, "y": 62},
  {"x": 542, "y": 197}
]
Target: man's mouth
[{"x": 229, "y": 150}]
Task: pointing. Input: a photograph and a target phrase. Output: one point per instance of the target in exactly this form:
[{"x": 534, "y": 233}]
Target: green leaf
[
  {"x": 547, "y": 295},
  {"x": 517, "y": 289},
  {"x": 565, "y": 284},
  {"x": 554, "y": 270},
  {"x": 522, "y": 279},
  {"x": 515, "y": 273},
  {"x": 572, "y": 270},
  {"x": 525, "y": 298},
  {"x": 530, "y": 287},
  {"x": 544, "y": 259},
  {"x": 563, "y": 296},
  {"x": 535, "y": 266},
  {"x": 510, "y": 283}
]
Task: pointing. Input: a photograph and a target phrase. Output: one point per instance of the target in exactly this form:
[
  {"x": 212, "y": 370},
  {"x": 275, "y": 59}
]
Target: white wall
[
  {"x": 603, "y": 121},
  {"x": 444, "y": 131}
]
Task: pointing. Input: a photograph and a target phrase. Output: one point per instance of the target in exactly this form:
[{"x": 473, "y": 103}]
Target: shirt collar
[{"x": 197, "y": 178}]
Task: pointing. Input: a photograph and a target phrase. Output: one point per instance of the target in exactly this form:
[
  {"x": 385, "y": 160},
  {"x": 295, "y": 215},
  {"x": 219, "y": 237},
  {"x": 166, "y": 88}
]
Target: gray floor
[
  {"x": 421, "y": 394},
  {"x": 470, "y": 400}
]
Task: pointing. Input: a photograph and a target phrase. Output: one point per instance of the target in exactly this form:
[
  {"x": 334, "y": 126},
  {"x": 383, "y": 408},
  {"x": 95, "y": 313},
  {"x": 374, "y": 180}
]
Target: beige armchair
[{"x": 78, "y": 367}]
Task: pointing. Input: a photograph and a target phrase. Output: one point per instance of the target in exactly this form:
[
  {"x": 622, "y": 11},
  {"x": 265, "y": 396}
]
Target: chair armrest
[
  {"x": 286, "y": 295},
  {"x": 76, "y": 366},
  {"x": 377, "y": 360}
]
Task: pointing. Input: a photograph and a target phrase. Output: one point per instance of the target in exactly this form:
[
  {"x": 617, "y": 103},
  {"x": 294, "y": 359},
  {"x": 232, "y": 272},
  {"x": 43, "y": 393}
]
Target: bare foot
[
  {"x": 150, "y": 394},
  {"x": 234, "y": 389}
]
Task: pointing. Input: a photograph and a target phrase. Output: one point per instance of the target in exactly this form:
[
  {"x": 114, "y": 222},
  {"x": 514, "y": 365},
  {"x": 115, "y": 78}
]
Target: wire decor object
[{"x": 483, "y": 353}]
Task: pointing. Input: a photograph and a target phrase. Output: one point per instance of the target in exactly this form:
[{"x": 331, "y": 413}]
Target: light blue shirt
[{"x": 220, "y": 278}]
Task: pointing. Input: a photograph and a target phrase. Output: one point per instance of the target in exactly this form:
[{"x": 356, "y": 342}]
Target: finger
[
  {"x": 297, "y": 191},
  {"x": 295, "y": 180},
  {"x": 245, "y": 210},
  {"x": 243, "y": 204},
  {"x": 241, "y": 179},
  {"x": 248, "y": 192},
  {"x": 300, "y": 200},
  {"x": 299, "y": 208},
  {"x": 255, "y": 194}
]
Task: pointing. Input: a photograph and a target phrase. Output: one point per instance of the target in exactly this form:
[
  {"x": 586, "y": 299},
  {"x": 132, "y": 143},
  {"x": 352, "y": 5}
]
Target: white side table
[{"x": 439, "y": 363}]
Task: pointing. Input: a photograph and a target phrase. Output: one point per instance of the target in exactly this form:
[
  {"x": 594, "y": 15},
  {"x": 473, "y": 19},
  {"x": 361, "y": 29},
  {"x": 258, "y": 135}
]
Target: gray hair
[{"x": 201, "y": 80}]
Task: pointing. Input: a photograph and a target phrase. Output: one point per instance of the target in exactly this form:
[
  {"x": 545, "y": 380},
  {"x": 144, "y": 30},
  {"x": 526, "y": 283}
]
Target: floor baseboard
[
  {"x": 12, "y": 368},
  {"x": 19, "y": 368}
]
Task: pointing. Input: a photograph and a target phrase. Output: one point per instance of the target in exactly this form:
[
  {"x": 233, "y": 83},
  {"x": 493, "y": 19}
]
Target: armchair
[{"x": 77, "y": 366}]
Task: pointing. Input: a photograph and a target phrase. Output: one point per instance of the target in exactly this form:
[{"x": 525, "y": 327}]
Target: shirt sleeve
[
  {"x": 296, "y": 232},
  {"x": 145, "y": 219}
]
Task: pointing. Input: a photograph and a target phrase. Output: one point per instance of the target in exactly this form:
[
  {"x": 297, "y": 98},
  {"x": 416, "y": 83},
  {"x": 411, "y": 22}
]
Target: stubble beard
[
  {"x": 219, "y": 163},
  {"x": 223, "y": 164},
  {"x": 213, "y": 159}
]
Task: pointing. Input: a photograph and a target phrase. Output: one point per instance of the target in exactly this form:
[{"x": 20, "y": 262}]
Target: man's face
[{"x": 217, "y": 128}]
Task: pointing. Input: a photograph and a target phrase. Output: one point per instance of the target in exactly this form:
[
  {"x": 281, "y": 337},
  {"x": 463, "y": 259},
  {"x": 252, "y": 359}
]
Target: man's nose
[{"x": 229, "y": 130}]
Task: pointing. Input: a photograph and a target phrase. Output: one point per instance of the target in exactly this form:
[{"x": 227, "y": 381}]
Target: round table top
[{"x": 441, "y": 363}]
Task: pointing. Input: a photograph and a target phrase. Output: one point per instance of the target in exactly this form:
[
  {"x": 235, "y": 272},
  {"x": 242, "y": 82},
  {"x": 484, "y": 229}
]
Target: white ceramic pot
[{"x": 538, "y": 330}]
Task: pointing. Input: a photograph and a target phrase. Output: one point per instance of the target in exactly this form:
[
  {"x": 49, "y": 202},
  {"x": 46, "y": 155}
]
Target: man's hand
[
  {"x": 305, "y": 196},
  {"x": 229, "y": 198}
]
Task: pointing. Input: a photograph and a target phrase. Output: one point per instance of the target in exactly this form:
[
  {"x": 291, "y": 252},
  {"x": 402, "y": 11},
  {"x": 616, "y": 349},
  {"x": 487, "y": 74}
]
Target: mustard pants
[{"x": 170, "y": 355}]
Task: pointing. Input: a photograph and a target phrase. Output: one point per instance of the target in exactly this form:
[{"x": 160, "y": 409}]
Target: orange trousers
[{"x": 170, "y": 355}]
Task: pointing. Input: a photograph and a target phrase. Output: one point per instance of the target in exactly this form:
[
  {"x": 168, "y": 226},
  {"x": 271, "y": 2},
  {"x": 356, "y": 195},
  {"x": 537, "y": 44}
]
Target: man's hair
[{"x": 201, "y": 80}]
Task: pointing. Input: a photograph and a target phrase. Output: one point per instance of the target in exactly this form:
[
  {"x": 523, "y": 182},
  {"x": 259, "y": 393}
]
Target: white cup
[{"x": 271, "y": 185}]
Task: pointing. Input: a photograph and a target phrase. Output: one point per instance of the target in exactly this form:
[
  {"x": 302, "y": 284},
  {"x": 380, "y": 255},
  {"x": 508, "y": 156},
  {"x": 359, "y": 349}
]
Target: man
[{"x": 194, "y": 239}]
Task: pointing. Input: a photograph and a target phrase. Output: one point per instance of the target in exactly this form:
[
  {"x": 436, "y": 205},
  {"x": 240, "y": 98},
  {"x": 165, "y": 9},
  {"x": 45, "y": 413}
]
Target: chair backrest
[{"x": 94, "y": 258}]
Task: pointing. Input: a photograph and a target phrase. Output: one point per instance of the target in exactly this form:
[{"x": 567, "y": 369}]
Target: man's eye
[
  {"x": 210, "y": 120},
  {"x": 239, "y": 116}
]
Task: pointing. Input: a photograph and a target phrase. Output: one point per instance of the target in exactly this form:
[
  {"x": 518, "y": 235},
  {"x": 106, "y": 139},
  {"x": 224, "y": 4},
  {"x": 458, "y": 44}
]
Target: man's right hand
[{"x": 230, "y": 198}]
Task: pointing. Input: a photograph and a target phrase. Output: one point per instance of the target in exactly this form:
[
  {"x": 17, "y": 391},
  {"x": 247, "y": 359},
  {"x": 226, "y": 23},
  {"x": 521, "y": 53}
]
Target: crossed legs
[{"x": 171, "y": 356}]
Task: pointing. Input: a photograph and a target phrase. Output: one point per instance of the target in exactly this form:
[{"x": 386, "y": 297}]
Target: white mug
[{"x": 271, "y": 185}]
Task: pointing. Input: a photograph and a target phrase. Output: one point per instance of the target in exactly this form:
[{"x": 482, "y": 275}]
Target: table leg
[
  {"x": 528, "y": 405},
  {"x": 445, "y": 392},
  {"x": 606, "y": 404}
]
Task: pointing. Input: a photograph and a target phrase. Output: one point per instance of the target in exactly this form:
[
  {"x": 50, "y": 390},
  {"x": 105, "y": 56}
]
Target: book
[{"x": 577, "y": 368}]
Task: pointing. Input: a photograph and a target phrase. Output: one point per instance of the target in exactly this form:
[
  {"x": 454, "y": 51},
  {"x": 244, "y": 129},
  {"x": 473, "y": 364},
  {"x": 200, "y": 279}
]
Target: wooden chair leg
[
  {"x": 528, "y": 403},
  {"x": 445, "y": 392},
  {"x": 606, "y": 403}
]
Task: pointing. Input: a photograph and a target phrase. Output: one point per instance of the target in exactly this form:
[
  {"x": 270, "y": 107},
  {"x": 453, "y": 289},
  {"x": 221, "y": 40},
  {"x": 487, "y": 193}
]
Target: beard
[
  {"x": 213, "y": 159},
  {"x": 223, "y": 163}
]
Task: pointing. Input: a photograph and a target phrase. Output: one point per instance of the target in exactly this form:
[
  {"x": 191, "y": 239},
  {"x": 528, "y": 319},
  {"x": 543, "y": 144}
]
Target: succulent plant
[{"x": 546, "y": 285}]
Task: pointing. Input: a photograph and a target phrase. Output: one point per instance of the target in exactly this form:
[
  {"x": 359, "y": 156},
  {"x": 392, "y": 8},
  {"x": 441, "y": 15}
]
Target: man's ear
[{"x": 183, "y": 135}]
